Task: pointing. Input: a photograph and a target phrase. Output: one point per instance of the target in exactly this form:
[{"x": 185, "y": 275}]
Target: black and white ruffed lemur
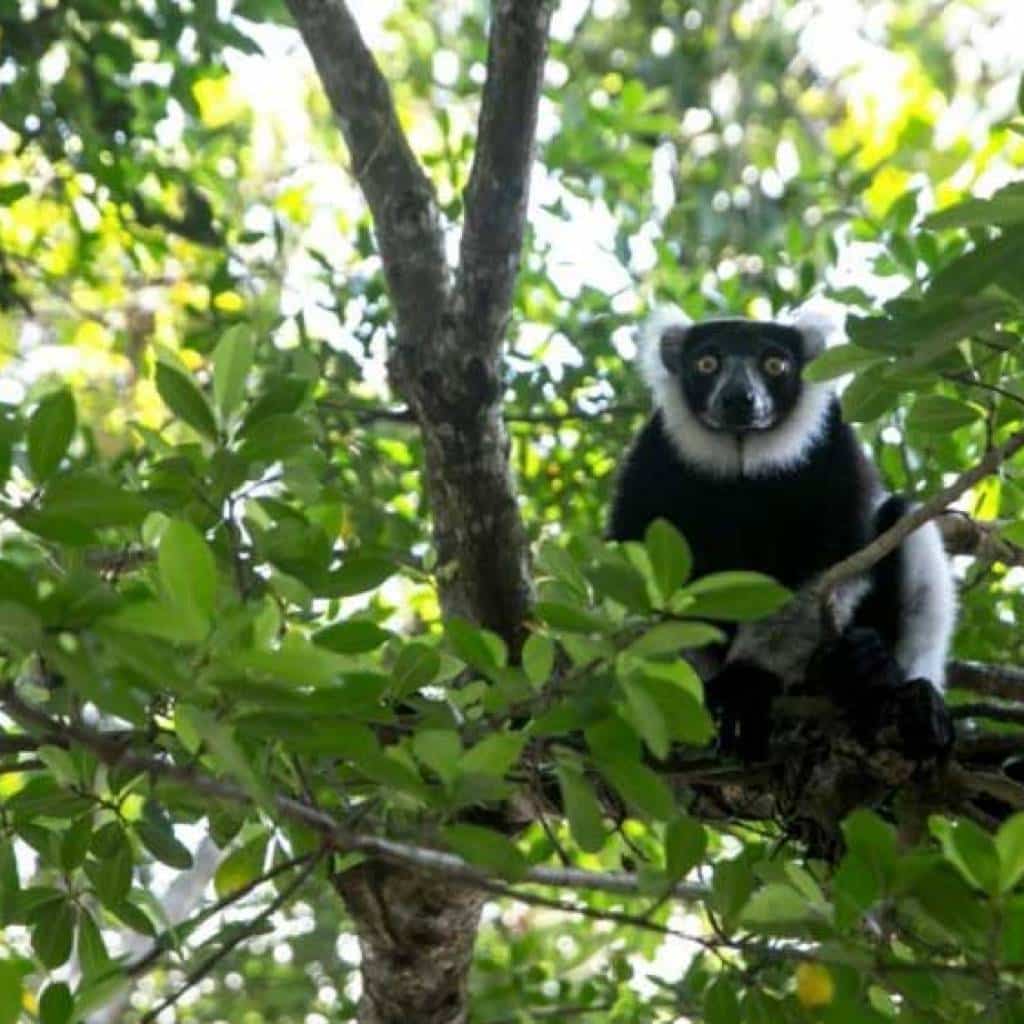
[{"x": 756, "y": 468}]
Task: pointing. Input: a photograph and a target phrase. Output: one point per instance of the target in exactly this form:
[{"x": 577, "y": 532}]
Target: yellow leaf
[{"x": 219, "y": 102}]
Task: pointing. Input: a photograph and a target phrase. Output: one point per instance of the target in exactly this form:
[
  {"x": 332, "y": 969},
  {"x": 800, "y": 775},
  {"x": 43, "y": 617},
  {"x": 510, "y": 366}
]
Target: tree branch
[
  {"x": 340, "y": 837},
  {"x": 243, "y": 934},
  {"x": 963, "y": 535},
  {"x": 400, "y": 196},
  {"x": 1006, "y": 681},
  {"x": 499, "y": 183},
  {"x": 861, "y": 561}
]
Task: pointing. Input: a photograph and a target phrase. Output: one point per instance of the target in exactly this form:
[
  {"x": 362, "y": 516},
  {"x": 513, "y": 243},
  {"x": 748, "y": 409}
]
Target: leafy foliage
[{"x": 217, "y": 551}]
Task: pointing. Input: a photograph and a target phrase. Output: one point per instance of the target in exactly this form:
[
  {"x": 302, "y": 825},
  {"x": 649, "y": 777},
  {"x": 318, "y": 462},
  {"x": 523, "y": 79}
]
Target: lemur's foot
[
  {"x": 740, "y": 698},
  {"x": 864, "y": 679}
]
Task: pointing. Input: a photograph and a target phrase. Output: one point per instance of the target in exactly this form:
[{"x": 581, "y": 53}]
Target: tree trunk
[{"x": 417, "y": 934}]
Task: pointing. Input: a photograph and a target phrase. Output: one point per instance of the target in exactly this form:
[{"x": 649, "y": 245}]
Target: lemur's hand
[
  {"x": 740, "y": 697},
  {"x": 862, "y": 676}
]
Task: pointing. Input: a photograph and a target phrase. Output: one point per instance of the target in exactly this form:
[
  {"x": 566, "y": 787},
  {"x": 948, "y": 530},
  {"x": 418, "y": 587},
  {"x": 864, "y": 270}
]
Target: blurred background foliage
[{"x": 171, "y": 186}]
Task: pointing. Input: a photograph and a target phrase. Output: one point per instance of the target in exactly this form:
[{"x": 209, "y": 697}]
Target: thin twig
[
  {"x": 165, "y": 940},
  {"x": 203, "y": 969},
  {"x": 868, "y": 556}
]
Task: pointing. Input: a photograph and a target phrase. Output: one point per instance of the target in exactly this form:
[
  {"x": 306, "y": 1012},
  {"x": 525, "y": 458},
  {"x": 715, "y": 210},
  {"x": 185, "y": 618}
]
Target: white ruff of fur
[
  {"x": 929, "y": 606},
  {"x": 720, "y": 454}
]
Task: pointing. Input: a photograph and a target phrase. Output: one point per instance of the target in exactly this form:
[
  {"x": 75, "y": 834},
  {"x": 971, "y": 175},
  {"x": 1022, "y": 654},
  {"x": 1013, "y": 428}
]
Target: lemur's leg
[{"x": 889, "y": 667}]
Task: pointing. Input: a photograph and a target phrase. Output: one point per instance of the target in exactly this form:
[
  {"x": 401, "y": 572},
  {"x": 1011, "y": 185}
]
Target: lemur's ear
[
  {"x": 660, "y": 346},
  {"x": 817, "y": 321}
]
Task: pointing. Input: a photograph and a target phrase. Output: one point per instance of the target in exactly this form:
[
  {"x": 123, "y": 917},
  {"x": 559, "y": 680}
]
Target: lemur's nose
[{"x": 738, "y": 401}]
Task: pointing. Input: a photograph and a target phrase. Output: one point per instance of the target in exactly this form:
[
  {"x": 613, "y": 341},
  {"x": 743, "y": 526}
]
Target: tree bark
[
  {"x": 416, "y": 930},
  {"x": 416, "y": 933}
]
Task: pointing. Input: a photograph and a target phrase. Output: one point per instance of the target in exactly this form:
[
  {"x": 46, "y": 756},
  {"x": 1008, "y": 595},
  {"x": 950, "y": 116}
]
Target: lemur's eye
[
  {"x": 707, "y": 364},
  {"x": 776, "y": 366}
]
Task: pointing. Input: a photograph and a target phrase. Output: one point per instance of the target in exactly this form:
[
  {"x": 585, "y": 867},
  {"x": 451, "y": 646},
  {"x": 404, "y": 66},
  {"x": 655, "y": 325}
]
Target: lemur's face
[{"x": 736, "y": 376}]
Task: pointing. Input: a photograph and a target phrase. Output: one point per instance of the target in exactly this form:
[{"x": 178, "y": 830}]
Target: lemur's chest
[{"x": 776, "y": 530}]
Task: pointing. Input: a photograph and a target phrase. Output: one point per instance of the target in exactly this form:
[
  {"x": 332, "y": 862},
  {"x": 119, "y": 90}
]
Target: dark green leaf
[
  {"x": 685, "y": 844},
  {"x": 54, "y": 933},
  {"x": 56, "y": 1004},
  {"x": 581, "y": 808},
  {"x": 354, "y": 637},
  {"x": 162, "y": 844},
  {"x": 50, "y": 430},
  {"x": 10, "y": 992},
  {"x": 641, "y": 788},
  {"x": 937, "y": 414},
  {"x": 185, "y": 400},
  {"x": 487, "y": 849}
]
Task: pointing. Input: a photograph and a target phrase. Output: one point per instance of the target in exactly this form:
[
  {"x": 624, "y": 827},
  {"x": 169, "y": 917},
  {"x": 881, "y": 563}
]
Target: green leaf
[
  {"x": 357, "y": 574},
  {"x": 493, "y": 755},
  {"x": 276, "y": 437},
  {"x": 670, "y": 555},
  {"x": 645, "y": 715},
  {"x": 937, "y": 414},
  {"x": 11, "y": 974},
  {"x": 185, "y": 400},
  {"x": 776, "y": 905},
  {"x": 970, "y": 850},
  {"x": 93, "y": 500},
  {"x": 721, "y": 1005},
  {"x": 232, "y": 360},
  {"x": 641, "y": 787},
  {"x": 1010, "y": 846},
  {"x": 92, "y": 950},
  {"x": 417, "y": 666},
  {"x": 354, "y": 637},
  {"x": 53, "y": 934},
  {"x": 868, "y": 396},
  {"x": 735, "y": 596},
  {"x": 477, "y": 647},
  {"x": 440, "y": 750},
  {"x": 187, "y": 569},
  {"x": 487, "y": 849},
  {"x": 873, "y": 839},
  {"x": 570, "y": 618},
  {"x": 686, "y": 842},
  {"x": 11, "y": 194},
  {"x": 161, "y": 842},
  {"x": 241, "y": 867},
  {"x": 56, "y": 1004},
  {"x": 839, "y": 361},
  {"x": 111, "y": 874},
  {"x": 581, "y": 808},
  {"x": 621, "y": 583},
  {"x": 50, "y": 430},
  {"x": 538, "y": 658},
  {"x": 671, "y": 637}
]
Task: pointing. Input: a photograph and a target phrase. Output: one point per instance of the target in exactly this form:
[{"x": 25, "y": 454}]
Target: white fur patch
[
  {"x": 929, "y": 606},
  {"x": 724, "y": 454},
  {"x": 818, "y": 320}
]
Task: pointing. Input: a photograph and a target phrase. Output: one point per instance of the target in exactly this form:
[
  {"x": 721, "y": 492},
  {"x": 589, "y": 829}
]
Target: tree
[{"x": 261, "y": 610}]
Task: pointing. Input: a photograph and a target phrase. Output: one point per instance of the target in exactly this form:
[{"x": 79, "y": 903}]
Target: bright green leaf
[{"x": 232, "y": 360}]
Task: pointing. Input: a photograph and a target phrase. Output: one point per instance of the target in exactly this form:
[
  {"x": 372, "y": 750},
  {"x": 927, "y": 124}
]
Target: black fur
[
  {"x": 790, "y": 523},
  {"x": 773, "y": 523}
]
